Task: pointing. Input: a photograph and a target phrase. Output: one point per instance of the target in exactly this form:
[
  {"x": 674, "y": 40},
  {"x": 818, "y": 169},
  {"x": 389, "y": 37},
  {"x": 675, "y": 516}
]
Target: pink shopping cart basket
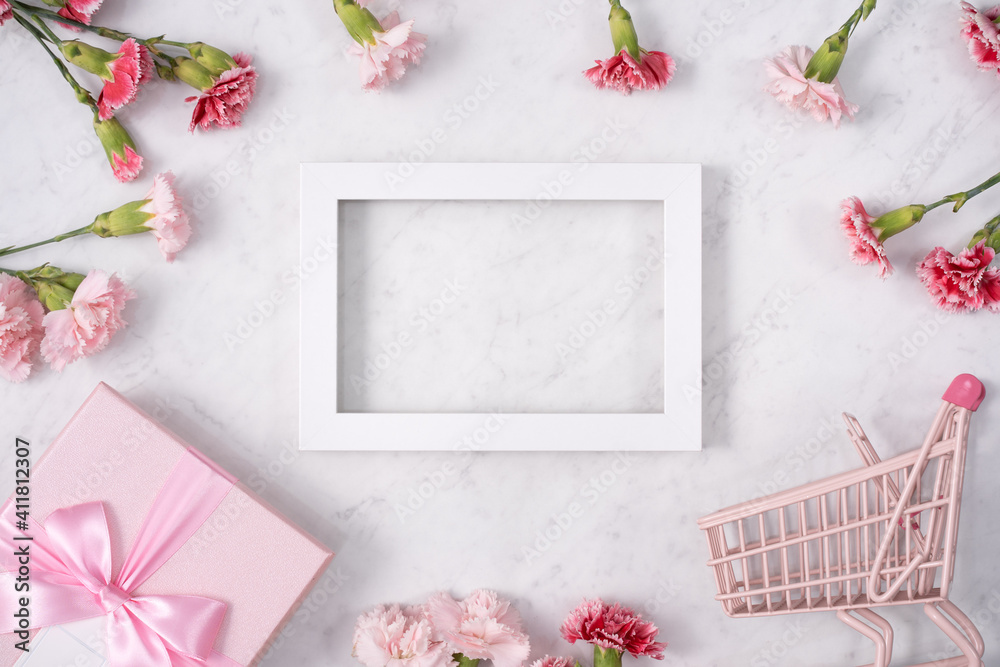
[{"x": 878, "y": 536}]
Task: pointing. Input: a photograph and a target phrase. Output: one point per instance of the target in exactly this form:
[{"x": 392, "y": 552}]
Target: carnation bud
[
  {"x": 89, "y": 58},
  {"x": 216, "y": 61},
  {"x": 989, "y": 233},
  {"x": 193, "y": 74},
  {"x": 360, "y": 23},
  {"x": 623, "y": 31},
  {"x": 892, "y": 223},
  {"x": 114, "y": 138},
  {"x": 124, "y": 220},
  {"x": 867, "y": 7},
  {"x": 826, "y": 62},
  {"x": 164, "y": 72}
]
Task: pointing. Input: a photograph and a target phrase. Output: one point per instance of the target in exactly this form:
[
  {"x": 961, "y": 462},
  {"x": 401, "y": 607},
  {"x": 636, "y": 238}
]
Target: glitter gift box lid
[{"x": 246, "y": 554}]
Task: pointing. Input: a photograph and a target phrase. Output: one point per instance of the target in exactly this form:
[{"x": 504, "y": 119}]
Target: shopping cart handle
[{"x": 966, "y": 391}]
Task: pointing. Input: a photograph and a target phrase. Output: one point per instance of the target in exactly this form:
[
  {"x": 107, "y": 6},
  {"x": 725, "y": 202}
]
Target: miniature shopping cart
[{"x": 877, "y": 536}]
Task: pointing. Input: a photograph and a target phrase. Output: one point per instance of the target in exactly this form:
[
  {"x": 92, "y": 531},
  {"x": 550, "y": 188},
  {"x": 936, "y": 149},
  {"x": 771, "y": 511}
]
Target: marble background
[{"x": 504, "y": 84}]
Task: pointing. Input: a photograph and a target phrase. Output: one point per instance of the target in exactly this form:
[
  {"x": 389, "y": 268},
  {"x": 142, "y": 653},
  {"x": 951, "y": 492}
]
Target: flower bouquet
[
  {"x": 225, "y": 84},
  {"x": 65, "y": 316}
]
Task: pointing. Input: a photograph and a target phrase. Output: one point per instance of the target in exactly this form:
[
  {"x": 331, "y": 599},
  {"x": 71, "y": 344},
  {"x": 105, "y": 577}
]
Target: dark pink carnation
[
  {"x": 982, "y": 36},
  {"x": 132, "y": 66},
  {"x": 126, "y": 167},
  {"x": 865, "y": 246},
  {"x": 225, "y": 103},
  {"x": 79, "y": 10},
  {"x": 963, "y": 283},
  {"x": 622, "y": 73},
  {"x": 6, "y": 11},
  {"x": 613, "y": 627}
]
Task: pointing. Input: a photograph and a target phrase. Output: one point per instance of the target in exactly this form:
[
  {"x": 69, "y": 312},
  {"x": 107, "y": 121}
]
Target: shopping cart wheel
[{"x": 880, "y": 634}]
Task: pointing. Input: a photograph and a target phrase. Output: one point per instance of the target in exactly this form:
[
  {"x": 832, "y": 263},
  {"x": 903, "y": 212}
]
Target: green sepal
[
  {"x": 193, "y": 74},
  {"x": 623, "y": 33},
  {"x": 125, "y": 220},
  {"x": 825, "y": 63},
  {"x": 55, "y": 287},
  {"x": 216, "y": 61},
  {"x": 89, "y": 58},
  {"x": 607, "y": 657},
  {"x": 889, "y": 224},
  {"x": 360, "y": 23},
  {"x": 114, "y": 138}
]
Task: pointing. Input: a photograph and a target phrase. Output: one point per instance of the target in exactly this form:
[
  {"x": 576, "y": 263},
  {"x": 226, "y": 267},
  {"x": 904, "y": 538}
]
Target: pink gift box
[{"x": 245, "y": 554}]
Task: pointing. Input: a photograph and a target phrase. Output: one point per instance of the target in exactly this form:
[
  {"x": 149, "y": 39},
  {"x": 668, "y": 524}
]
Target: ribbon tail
[
  {"x": 132, "y": 643},
  {"x": 185, "y": 624}
]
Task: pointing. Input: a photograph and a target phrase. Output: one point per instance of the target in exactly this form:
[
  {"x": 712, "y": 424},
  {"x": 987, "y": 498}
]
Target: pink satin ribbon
[{"x": 71, "y": 573}]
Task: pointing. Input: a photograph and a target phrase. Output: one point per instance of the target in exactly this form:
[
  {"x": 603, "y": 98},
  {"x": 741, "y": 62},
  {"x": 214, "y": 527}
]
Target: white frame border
[{"x": 678, "y": 428}]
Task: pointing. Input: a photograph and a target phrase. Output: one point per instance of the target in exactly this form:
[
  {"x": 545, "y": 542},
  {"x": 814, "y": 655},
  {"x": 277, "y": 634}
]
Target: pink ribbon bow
[{"x": 71, "y": 573}]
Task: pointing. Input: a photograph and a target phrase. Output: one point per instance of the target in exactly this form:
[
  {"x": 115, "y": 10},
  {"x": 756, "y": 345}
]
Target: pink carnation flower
[
  {"x": 79, "y": 10},
  {"x": 394, "y": 637},
  {"x": 225, "y": 103},
  {"x": 169, "y": 224},
  {"x": 964, "y": 283},
  {"x": 126, "y": 167},
  {"x": 549, "y": 661},
  {"x": 6, "y": 11},
  {"x": 612, "y": 627},
  {"x": 622, "y": 73},
  {"x": 982, "y": 36},
  {"x": 865, "y": 246},
  {"x": 20, "y": 327},
  {"x": 790, "y": 87},
  {"x": 481, "y": 627},
  {"x": 386, "y": 60},
  {"x": 88, "y": 323},
  {"x": 132, "y": 66}
]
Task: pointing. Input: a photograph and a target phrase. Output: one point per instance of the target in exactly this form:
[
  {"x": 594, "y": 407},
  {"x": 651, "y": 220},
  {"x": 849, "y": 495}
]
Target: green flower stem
[
  {"x": 83, "y": 96},
  {"x": 55, "y": 239},
  {"x": 959, "y": 198},
  {"x": 464, "y": 661},
  {"x": 180, "y": 45},
  {"x": 150, "y": 43},
  {"x": 52, "y": 16},
  {"x": 607, "y": 657}
]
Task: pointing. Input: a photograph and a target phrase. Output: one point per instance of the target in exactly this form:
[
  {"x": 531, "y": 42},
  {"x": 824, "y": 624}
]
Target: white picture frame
[{"x": 678, "y": 428}]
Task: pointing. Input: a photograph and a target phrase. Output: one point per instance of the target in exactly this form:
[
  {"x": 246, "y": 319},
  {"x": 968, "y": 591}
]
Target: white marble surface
[{"x": 774, "y": 381}]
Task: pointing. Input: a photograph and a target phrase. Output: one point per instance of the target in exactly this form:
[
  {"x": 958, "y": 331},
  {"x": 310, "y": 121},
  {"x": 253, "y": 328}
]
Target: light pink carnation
[
  {"x": 549, "y": 661},
  {"x": 21, "y": 316},
  {"x": 622, "y": 73},
  {"x": 395, "y": 637},
  {"x": 169, "y": 224},
  {"x": 613, "y": 627},
  {"x": 481, "y": 627},
  {"x": 225, "y": 103},
  {"x": 865, "y": 246},
  {"x": 6, "y": 11},
  {"x": 88, "y": 323},
  {"x": 790, "y": 87},
  {"x": 964, "y": 283},
  {"x": 133, "y": 66},
  {"x": 386, "y": 60},
  {"x": 982, "y": 36},
  {"x": 79, "y": 10}
]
